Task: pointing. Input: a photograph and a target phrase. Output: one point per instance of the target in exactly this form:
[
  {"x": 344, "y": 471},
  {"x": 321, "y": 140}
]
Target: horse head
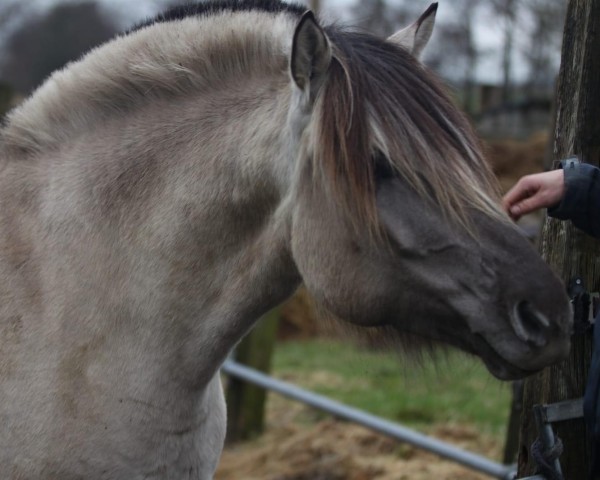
[{"x": 397, "y": 220}]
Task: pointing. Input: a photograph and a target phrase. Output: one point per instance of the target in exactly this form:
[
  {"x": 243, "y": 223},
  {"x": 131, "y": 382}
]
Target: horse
[{"x": 170, "y": 187}]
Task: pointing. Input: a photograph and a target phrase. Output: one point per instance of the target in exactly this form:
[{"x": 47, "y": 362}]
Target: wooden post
[
  {"x": 511, "y": 445},
  {"x": 569, "y": 251},
  {"x": 245, "y": 402}
]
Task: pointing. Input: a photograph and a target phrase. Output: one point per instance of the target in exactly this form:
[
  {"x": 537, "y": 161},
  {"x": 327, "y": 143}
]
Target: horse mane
[
  {"x": 414, "y": 131},
  {"x": 179, "y": 12},
  {"x": 187, "y": 49}
]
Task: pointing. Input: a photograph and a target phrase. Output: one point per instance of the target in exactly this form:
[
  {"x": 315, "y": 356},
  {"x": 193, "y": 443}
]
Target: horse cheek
[{"x": 336, "y": 269}]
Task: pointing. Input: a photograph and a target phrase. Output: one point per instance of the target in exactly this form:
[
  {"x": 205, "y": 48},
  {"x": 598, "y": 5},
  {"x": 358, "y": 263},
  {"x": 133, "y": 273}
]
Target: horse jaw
[{"x": 415, "y": 37}]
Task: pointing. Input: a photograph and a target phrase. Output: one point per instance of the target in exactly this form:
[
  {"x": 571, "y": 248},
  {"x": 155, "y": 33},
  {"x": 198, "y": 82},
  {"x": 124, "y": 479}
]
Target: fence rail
[{"x": 393, "y": 430}]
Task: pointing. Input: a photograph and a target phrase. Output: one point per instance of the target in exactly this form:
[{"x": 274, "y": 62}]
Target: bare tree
[
  {"x": 8, "y": 12},
  {"x": 548, "y": 17},
  {"x": 381, "y": 18},
  {"x": 455, "y": 53},
  {"x": 538, "y": 24},
  {"x": 507, "y": 13},
  {"x": 47, "y": 42}
]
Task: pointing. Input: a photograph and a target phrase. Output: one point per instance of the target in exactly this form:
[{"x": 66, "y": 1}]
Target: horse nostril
[{"x": 530, "y": 325}]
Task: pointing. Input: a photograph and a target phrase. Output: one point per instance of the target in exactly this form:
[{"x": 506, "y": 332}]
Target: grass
[{"x": 454, "y": 389}]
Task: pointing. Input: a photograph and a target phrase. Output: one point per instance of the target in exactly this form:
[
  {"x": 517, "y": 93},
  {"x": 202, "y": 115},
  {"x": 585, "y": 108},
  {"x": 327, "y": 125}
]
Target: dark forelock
[{"x": 430, "y": 143}]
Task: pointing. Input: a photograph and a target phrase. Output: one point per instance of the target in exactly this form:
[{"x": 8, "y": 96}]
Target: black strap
[{"x": 544, "y": 459}]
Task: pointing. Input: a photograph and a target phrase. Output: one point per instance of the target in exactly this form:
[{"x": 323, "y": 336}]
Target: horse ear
[
  {"x": 415, "y": 37},
  {"x": 311, "y": 54}
]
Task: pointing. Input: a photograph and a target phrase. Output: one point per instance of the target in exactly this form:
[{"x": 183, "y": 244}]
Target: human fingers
[
  {"x": 525, "y": 188},
  {"x": 527, "y": 205}
]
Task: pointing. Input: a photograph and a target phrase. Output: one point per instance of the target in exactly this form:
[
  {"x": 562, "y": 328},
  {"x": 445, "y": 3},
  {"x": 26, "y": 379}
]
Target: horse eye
[{"x": 383, "y": 168}]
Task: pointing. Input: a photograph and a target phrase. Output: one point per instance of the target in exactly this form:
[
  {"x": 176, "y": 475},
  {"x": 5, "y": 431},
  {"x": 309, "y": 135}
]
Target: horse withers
[{"x": 162, "y": 193}]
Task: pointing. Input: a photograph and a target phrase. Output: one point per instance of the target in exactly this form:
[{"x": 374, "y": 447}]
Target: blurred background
[
  {"x": 500, "y": 60},
  {"x": 500, "y": 57}
]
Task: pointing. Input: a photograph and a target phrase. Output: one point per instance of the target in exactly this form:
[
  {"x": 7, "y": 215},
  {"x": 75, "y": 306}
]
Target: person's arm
[
  {"x": 571, "y": 192},
  {"x": 581, "y": 200}
]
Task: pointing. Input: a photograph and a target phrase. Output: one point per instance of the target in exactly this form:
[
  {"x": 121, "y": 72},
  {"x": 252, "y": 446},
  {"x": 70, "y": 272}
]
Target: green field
[{"x": 454, "y": 388}]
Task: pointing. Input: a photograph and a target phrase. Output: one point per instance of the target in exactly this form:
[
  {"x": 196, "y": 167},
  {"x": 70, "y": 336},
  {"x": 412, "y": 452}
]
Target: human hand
[{"x": 540, "y": 190}]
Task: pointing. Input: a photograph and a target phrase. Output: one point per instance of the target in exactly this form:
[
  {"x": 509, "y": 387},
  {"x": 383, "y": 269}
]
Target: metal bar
[
  {"x": 443, "y": 449},
  {"x": 561, "y": 411}
]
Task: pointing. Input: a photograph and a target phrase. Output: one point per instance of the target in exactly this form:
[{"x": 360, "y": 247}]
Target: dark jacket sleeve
[{"x": 581, "y": 201}]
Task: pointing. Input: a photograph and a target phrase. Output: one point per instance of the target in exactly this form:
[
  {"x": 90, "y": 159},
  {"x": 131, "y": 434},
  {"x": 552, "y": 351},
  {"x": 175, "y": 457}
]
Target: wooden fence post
[
  {"x": 246, "y": 402},
  {"x": 568, "y": 250}
]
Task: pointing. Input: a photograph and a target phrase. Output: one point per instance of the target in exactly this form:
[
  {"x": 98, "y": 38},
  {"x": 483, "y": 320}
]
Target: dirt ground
[
  {"x": 511, "y": 159},
  {"x": 300, "y": 444}
]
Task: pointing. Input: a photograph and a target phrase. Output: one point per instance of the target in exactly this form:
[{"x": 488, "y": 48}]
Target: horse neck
[{"x": 229, "y": 204}]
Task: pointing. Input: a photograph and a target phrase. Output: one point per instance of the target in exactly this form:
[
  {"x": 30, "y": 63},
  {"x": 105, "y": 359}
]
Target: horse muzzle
[{"x": 532, "y": 343}]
